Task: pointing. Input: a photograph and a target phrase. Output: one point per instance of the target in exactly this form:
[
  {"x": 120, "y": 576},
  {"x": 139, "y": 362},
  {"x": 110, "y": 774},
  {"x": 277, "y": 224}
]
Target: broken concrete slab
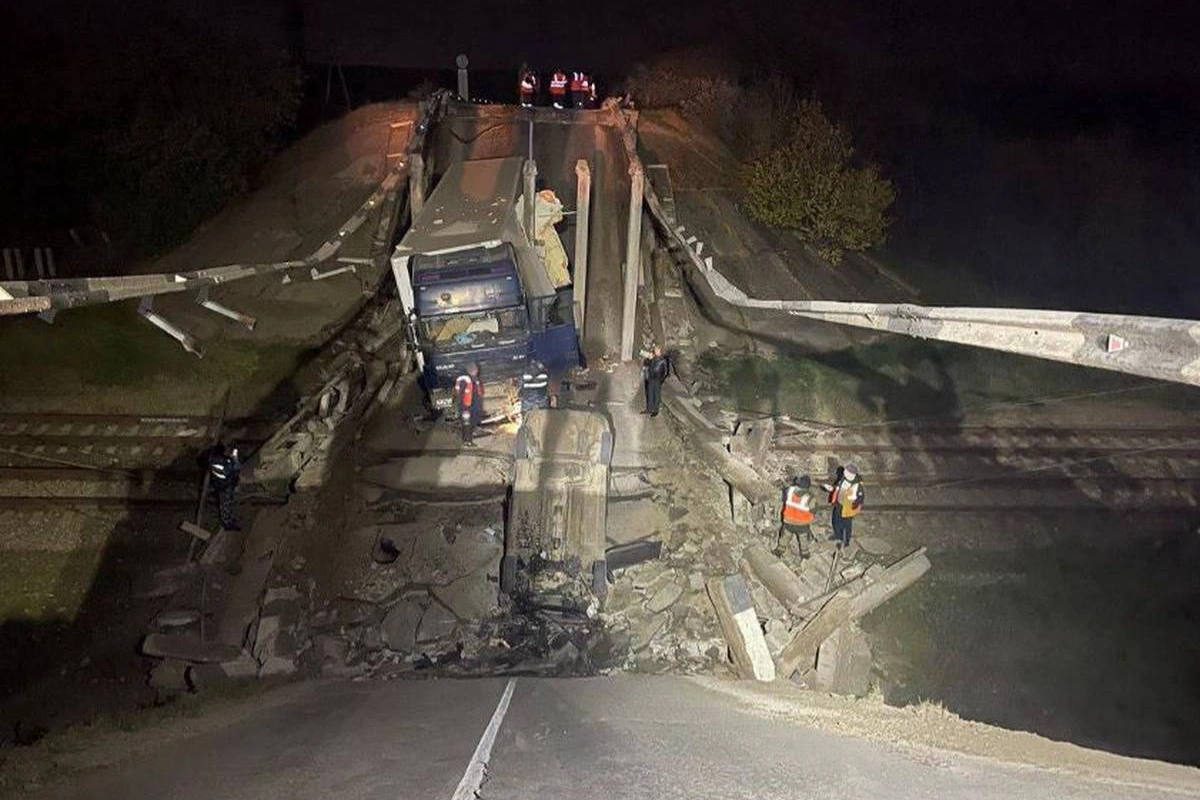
[
  {"x": 626, "y": 555},
  {"x": 801, "y": 651},
  {"x": 331, "y": 649},
  {"x": 644, "y": 632},
  {"x": 471, "y": 597},
  {"x": 266, "y": 633},
  {"x": 635, "y": 519},
  {"x": 208, "y": 676},
  {"x": 664, "y": 598},
  {"x": 277, "y": 665},
  {"x": 169, "y": 676},
  {"x": 399, "y": 627},
  {"x": 437, "y": 623},
  {"x": 844, "y": 662},
  {"x": 187, "y": 648},
  {"x": 739, "y": 622}
]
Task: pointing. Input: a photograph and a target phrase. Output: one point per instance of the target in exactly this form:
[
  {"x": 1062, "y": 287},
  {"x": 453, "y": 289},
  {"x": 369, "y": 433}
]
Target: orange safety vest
[
  {"x": 465, "y": 388},
  {"x": 577, "y": 81},
  {"x": 796, "y": 509},
  {"x": 558, "y": 83},
  {"x": 847, "y": 502}
]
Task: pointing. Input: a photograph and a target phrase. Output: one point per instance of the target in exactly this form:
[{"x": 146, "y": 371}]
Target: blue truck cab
[{"x": 475, "y": 291}]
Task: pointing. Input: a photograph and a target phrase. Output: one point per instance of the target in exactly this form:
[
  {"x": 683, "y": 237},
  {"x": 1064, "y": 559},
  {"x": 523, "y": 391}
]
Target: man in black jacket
[
  {"x": 655, "y": 370},
  {"x": 224, "y": 472}
]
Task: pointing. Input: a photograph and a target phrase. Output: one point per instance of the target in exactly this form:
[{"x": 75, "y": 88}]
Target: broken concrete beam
[
  {"x": 801, "y": 651},
  {"x": 177, "y": 619},
  {"x": 848, "y": 603},
  {"x": 483, "y": 474},
  {"x": 752, "y": 440},
  {"x": 739, "y": 622},
  {"x": 222, "y": 549},
  {"x": 203, "y": 534},
  {"x": 844, "y": 662},
  {"x": 188, "y": 648},
  {"x": 209, "y": 676},
  {"x": 626, "y": 555},
  {"x": 780, "y": 581}
]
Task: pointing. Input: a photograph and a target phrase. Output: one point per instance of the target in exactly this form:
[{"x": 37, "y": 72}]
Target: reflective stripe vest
[
  {"x": 528, "y": 83},
  {"x": 577, "y": 81},
  {"x": 846, "y": 495},
  {"x": 585, "y": 84},
  {"x": 532, "y": 381},
  {"x": 466, "y": 387},
  {"x": 797, "y": 506},
  {"x": 558, "y": 83}
]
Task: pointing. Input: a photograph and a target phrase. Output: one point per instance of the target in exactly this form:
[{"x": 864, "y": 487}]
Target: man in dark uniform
[
  {"x": 655, "y": 370},
  {"x": 535, "y": 387},
  {"x": 224, "y": 471}
]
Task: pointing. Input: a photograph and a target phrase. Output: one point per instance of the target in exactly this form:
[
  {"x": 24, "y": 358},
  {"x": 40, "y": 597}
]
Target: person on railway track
[
  {"x": 527, "y": 87},
  {"x": 846, "y": 495},
  {"x": 558, "y": 89},
  {"x": 468, "y": 394},
  {"x": 224, "y": 472},
  {"x": 797, "y": 516},
  {"x": 655, "y": 371}
]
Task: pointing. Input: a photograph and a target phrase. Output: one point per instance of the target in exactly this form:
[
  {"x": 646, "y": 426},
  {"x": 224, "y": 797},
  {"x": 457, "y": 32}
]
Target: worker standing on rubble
[
  {"x": 797, "y": 516},
  {"x": 468, "y": 393},
  {"x": 527, "y": 87},
  {"x": 224, "y": 472},
  {"x": 655, "y": 371},
  {"x": 846, "y": 495},
  {"x": 535, "y": 387},
  {"x": 558, "y": 89}
]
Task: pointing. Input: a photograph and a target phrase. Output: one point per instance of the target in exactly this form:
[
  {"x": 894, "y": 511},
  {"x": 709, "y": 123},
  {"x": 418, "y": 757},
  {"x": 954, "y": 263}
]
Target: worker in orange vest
[
  {"x": 579, "y": 89},
  {"x": 558, "y": 89},
  {"x": 527, "y": 87},
  {"x": 846, "y": 495},
  {"x": 797, "y": 516},
  {"x": 468, "y": 393}
]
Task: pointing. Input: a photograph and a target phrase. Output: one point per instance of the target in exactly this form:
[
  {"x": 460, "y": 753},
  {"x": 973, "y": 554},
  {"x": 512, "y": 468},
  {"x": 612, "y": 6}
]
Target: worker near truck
[
  {"x": 224, "y": 472},
  {"x": 535, "y": 387},
  {"x": 846, "y": 495},
  {"x": 527, "y": 87},
  {"x": 558, "y": 89},
  {"x": 797, "y": 516},
  {"x": 468, "y": 395}
]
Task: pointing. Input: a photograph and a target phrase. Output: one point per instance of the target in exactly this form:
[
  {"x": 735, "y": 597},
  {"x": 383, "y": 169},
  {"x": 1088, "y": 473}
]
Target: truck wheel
[
  {"x": 600, "y": 577},
  {"x": 508, "y": 573}
]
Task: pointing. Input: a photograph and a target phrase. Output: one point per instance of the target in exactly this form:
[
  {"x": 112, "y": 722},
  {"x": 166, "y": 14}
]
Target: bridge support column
[
  {"x": 633, "y": 259},
  {"x": 583, "y": 202}
]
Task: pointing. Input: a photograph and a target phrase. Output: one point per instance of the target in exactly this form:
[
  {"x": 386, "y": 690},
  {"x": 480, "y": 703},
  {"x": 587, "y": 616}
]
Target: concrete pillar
[
  {"x": 633, "y": 259},
  {"x": 416, "y": 184},
  {"x": 39, "y": 266},
  {"x": 51, "y": 269},
  {"x": 20, "y": 263},
  {"x": 583, "y": 202},
  {"x": 529, "y": 172},
  {"x": 9, "y": 270}
]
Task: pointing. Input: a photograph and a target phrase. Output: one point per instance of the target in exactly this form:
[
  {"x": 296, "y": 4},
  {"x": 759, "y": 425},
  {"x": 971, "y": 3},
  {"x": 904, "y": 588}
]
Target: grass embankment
[
  {"x": 106, "y": 359},
  {"x": 898, "y": 378}
]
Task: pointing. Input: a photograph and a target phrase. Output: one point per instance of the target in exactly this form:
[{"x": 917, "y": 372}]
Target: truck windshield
[{"x": 474, "y": 331}]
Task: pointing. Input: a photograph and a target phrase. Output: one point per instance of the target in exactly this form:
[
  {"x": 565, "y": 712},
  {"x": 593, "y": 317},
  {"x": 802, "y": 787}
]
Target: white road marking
[{"x": 473, "y": 777}]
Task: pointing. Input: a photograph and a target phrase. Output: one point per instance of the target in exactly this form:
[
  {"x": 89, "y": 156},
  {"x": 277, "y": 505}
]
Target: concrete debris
[
  {"x": 280, "y": 594},
  {"x": 731, "y": 598},
  {"x": 177, "y": 619},
  {"x": 330, "y": 650},
  {"x": 664, "y": 598},
  {"x": 400, "y": 625},
  {"x": 209, "y": 676},
  {"x": 780, "y": 581},
  {"x": 437, "y": 623},
  {"x": 844, "y": 662},
  {"x": 626, "y": 555},
  {"x": 645, "y": 631},
  {"x": 169, "y": 677},
  {"x": 424, "y": 475}
]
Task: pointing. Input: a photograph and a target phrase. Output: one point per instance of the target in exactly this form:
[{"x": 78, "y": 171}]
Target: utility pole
[
  {"x": 633, "y": 259},
  {"x": 583, "y": 197},
  {"x": 464, "y": 93}
]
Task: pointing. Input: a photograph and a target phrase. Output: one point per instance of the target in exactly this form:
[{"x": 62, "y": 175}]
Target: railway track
[
  {"x": 116, "y": 440},
  {"x": 991, "y": 469}
]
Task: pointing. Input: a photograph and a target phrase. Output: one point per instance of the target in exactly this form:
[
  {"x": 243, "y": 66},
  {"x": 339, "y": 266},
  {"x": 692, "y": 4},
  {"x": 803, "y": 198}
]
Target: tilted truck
[{"x": 476, "y": 291}]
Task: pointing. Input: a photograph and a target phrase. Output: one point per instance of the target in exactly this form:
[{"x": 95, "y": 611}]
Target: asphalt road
[{"x": 578, "y": 738}]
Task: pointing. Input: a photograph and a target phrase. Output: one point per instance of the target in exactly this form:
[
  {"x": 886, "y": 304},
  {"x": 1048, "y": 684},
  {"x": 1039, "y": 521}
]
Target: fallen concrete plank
[
  {"x": 626, "y": 555},
  {"x": 780, "y": 581},
  {"x": 848, "y": 603},
  {"x": 739, "y": 622},
  {"x": 208, "y": 676},
  {"x": 202, "y": 534},
  {"x": 188, "y": 648},
  {"x": 801, "y": 651}
]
